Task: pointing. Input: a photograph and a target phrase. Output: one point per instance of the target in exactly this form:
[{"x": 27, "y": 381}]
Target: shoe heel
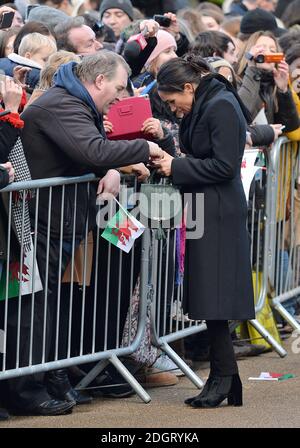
[{"x": 235, "y": 396}]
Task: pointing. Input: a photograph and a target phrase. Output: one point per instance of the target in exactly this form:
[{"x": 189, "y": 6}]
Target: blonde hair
[
  {"x": 52, "y": 65},
  {"x": 243, "y": 62},
  {"x": 33, "y": 42}
]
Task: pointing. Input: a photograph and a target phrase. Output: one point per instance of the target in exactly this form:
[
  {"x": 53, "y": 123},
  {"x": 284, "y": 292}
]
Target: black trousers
[
  {"x": 222, "y": 357},
  {"x": 30, "y": 390}
]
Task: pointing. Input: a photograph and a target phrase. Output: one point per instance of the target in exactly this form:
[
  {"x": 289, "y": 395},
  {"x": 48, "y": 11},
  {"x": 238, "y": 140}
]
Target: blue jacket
[{"x": 33, "y": 77}]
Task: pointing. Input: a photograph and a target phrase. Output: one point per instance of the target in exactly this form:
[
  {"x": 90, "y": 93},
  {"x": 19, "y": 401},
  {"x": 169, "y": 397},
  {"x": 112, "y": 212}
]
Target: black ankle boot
[
  {"x": 59, "y": 386},
  {"x": 202, "y": 393},
  {"x": 220, "y": 388}
]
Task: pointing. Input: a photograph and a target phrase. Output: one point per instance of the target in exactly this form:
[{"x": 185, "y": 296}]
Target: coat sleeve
[
  {"x": 78, "y": 137},
  {"x": 261, "y": 134},
  {"x": 249, "y": 91},
  {"x": 8, "y": 137},
  {"x": 224, "y": 163},
  {"x": 4, "y": 179},
  {"x": 287, "y": 112}
]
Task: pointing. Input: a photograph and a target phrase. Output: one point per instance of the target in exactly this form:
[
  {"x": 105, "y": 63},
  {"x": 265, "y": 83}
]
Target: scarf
[
  {"x": 66, "y": 78},
  {"x": 22, "y": 174}
]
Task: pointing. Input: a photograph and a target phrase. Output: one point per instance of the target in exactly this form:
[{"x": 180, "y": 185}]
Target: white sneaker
[{"x": 165, "y": 364}]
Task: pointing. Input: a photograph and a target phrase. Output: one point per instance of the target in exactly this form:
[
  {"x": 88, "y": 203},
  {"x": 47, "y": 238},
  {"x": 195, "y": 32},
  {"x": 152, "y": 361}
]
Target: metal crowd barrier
[
  {"x": 89, "y": 319},
  {"x": 77, "y": 324},
  {"x": 284, "y": 223}
]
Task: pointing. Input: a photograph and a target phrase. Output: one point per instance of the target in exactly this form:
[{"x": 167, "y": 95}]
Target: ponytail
[{"x": 174, "y": 74}]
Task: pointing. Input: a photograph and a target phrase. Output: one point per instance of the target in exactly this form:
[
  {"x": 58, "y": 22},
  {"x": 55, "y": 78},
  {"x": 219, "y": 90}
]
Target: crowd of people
[{"x": 215, "y": 87}]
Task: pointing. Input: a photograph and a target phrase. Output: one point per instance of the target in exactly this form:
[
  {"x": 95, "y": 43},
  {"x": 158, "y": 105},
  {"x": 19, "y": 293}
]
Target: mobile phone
[
  {"x": 162, "y": 20},
  {"x": 29, "y": 8},
  {"x": 6, "y": 20}
]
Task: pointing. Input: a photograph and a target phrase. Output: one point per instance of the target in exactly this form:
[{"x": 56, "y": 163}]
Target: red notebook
[{"x": 128, "y": 116}]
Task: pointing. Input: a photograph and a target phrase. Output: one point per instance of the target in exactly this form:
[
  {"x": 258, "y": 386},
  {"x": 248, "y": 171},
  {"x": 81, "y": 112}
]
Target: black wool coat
[{"x": 218, "y": 281}]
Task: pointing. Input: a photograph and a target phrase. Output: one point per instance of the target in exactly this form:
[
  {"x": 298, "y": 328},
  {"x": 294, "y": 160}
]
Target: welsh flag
[
  {"x": 122, "y": 230},
  {"x": 17, "y": 280}
]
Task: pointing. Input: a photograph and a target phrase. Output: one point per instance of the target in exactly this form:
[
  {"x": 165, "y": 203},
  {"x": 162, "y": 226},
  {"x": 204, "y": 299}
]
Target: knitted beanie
[
  {"x": 165, "y": 40},
  {"x": 124, "y": 5}
]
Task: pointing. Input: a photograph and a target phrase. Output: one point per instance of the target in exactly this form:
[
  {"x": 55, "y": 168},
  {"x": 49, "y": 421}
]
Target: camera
[
  {"x": 162, "y": 20},
  {"x": 266, "y": 58}
]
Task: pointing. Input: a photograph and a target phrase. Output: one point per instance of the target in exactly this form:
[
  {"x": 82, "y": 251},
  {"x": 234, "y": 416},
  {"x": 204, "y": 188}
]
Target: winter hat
[
  {"x": 259, "y": 20},
  {"x": 47, "y": 15},
  {"x": 124, "y": 5},
  {"x": 165, "y": 40}
]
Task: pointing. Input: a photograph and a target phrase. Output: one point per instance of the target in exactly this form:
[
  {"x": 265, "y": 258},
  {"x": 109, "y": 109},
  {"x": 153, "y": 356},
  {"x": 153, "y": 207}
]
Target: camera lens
[{"x": 260, "y": 58}]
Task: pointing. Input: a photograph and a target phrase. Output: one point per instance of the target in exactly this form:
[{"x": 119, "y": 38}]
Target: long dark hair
[{"x": 174, "y": 74}]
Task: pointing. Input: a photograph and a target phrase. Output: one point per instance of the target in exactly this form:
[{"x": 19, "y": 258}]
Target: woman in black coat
[{"x": 218, "y": 282}]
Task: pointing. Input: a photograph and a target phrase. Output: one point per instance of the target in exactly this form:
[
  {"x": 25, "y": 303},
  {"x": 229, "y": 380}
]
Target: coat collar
[
  {"x": 204, "y": 92},
  {"x": 23, "y": 61}
]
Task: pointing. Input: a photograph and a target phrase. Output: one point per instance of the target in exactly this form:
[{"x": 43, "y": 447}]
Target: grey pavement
[{"x": 271, "y": 404}]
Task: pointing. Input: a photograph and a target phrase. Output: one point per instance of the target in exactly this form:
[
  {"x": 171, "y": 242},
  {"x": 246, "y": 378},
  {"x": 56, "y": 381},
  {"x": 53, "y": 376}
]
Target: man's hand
[
  {"x": 109, "y": 185},
  {"x": 164, "y": 165},
  {"x": 10, "y": 170},
  {"x": 155, "y": 152},
  {"x": 108, "y": 126},
  {"x": 141, "y": 171},
  {"x": 11, "y": 94}
]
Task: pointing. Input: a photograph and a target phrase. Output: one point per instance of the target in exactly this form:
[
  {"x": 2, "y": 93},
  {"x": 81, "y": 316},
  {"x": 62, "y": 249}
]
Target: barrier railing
[{"x": 284, "y": 266}]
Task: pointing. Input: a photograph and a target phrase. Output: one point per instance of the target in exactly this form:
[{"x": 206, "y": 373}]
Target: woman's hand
[
  {"x": 281, "y": 76},
  {"x": 255, "y": 51},
  {"x": 277, "y": 128},
  {"x": 150, "y": 26},
  {"x": 164, "y": 165},
  {"x": 20, "y": 74},
  {"x": 11, "y": 94},
  {"x": 10, "y": 170},
  {"x": 108, "y": 126},
  {"x": 174, "y": 27},
  {"x": 153, "y": 127}
]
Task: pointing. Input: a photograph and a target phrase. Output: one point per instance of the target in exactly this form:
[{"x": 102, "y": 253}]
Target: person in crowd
[
  {"x": 73, "y": 35},
  {"x": 74, "y": 145},
  {"x": 9, "y": 63},
  {"x": 291, "y": 15},
  {"x": 240, "y": 8},
  {"x": 259, "y": 20},
  {"x": 36, "y": 48},
  {"x": 29, "y": 28},
  {"x": 288, "y": 39},
  {"x": 214, "y": 118},
  {"x": 61, "y": 5},
  {"x": 7, "y": 39},
  {"x": 104, "y": 34},
  {"x": 215, "y": 43},
  {"x": 231, "y": 26},
  {"x": 34, "y": 51},
  {"x": 117, "y": 14},
  {"x": 212, "y": 19},
  {"x": 18, "y": 19},
  {"x": 264, "y": 86},
  {"x": 194, "y": 20},
  {"x": 10, "y": 126},
  {"x": 50, "y": 17}
]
